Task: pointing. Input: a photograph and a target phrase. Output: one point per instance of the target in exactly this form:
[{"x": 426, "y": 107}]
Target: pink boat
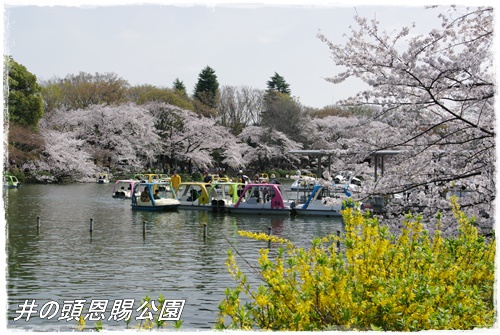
[{"x": 262, "y": 199}]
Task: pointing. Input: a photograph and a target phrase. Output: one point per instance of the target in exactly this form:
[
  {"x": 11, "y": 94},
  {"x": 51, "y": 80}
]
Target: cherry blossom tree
[
  {"x": 330, "y": 131},
  {"x": 233, "y": 155},
  {"x": 123, "y": 134},
  {"x": 66, "y": 158},
  {"x": 437, "y": 91},
  {"x": 267, "y": 147},
  {"x": 345, "y": 138},
  {"x": 192, "y": 138},
  {"x": 78, "y": 142}
]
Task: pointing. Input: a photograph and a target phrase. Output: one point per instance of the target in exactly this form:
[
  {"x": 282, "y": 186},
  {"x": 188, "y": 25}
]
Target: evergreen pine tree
[{"x": 207, "y": 87}]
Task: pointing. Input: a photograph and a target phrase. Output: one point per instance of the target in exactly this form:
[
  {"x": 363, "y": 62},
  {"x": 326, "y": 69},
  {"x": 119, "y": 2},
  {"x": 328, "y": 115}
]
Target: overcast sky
[{"x": 155, "y": 44}]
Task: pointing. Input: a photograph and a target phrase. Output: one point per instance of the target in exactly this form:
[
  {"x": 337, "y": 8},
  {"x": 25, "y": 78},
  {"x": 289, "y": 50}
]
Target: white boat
[
  {"x": 123, "y": 188},
  {"x": 324, "y": 201},
  {"x": 262, "y": 199},
  {"x": 155, "y": 196}
]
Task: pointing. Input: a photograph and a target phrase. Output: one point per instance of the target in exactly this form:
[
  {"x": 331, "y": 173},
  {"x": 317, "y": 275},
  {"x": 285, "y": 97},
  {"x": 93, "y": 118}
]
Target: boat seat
[{"x": 252, "y": 201}]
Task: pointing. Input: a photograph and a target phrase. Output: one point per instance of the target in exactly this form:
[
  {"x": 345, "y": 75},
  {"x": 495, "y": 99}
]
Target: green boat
[{"x": 10, "y": 181}]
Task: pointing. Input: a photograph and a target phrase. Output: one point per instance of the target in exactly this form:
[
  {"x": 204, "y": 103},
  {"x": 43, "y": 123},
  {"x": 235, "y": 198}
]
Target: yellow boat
[
  {"x": 147, "y": 177},
  {"x": 102, "y": 178},
  {"x": 194, "y": 195}
]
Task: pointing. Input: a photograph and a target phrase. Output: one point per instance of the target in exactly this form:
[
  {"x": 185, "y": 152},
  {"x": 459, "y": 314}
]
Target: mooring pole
[
  {"x": 338, "y": 240},
  {"x": 269, "y": 229}
]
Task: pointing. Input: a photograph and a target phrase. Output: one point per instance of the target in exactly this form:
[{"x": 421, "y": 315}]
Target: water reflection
[{"x": 129, "y": 254}]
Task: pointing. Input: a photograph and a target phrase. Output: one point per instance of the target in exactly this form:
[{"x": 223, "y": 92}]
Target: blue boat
[
  {"x": 155, "y": 196},
  {"x": 324, "y": 201}
]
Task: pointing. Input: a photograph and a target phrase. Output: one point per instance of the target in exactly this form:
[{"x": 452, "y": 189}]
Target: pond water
[{"x": 62, "y": 261}]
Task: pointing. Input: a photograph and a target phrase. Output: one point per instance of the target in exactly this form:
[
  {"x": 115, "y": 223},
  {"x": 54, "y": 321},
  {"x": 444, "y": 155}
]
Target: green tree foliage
[
  {"x": 78, "y": 91},
  {"x": 280, "y": 106},
  {"x": 277, "y": 84},
  {"x": 283, "y": 107},
  {"x": 53, "y": 95},
  {"x": 24, "y": 101},
  {"x": 375, "y": 280},
  {"x": 148, "y": 93},
  {"x": 179, "y": 87},
  {"x": 206, "y": 92}
]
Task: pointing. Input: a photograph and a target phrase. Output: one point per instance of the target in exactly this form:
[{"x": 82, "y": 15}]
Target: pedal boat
[
  {"x": 147, "y": 177},
  {"x": 194, "y": 195},
  {"x": 123, "y": 188},
  {"x": 10, "y": 181},
  {"x": 262, "y": 199},
  {"x": 324, "y": 201},
  {"x": 167, "y": 202},
  {"x": 102, "y": 178},
  {"x": 224, "y": 195}
]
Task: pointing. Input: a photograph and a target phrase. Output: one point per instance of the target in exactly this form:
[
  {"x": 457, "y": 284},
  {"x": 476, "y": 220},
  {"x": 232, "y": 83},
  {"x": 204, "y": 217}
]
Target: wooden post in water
[
  {"x": 338, "y": 241},
  {"x": 37, "y": 222},
  {"x": 91, "y": 225},
  {"x": 204, "y": 230},
  {"x": 269, "y": 229}
]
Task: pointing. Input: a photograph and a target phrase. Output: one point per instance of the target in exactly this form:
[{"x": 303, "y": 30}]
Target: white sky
[{"x": 157, "y": 43}]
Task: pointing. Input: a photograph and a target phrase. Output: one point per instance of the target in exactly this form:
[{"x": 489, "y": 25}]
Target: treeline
[{"x": 234, "y": 108}]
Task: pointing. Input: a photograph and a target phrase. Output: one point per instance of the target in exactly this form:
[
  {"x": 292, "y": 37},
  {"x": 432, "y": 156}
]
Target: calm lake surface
[{"x": 64, "y": 261}]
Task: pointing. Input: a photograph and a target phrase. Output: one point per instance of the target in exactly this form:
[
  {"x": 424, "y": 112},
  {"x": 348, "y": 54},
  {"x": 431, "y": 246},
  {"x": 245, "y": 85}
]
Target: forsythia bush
[{"x": 378, "y": 281}]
